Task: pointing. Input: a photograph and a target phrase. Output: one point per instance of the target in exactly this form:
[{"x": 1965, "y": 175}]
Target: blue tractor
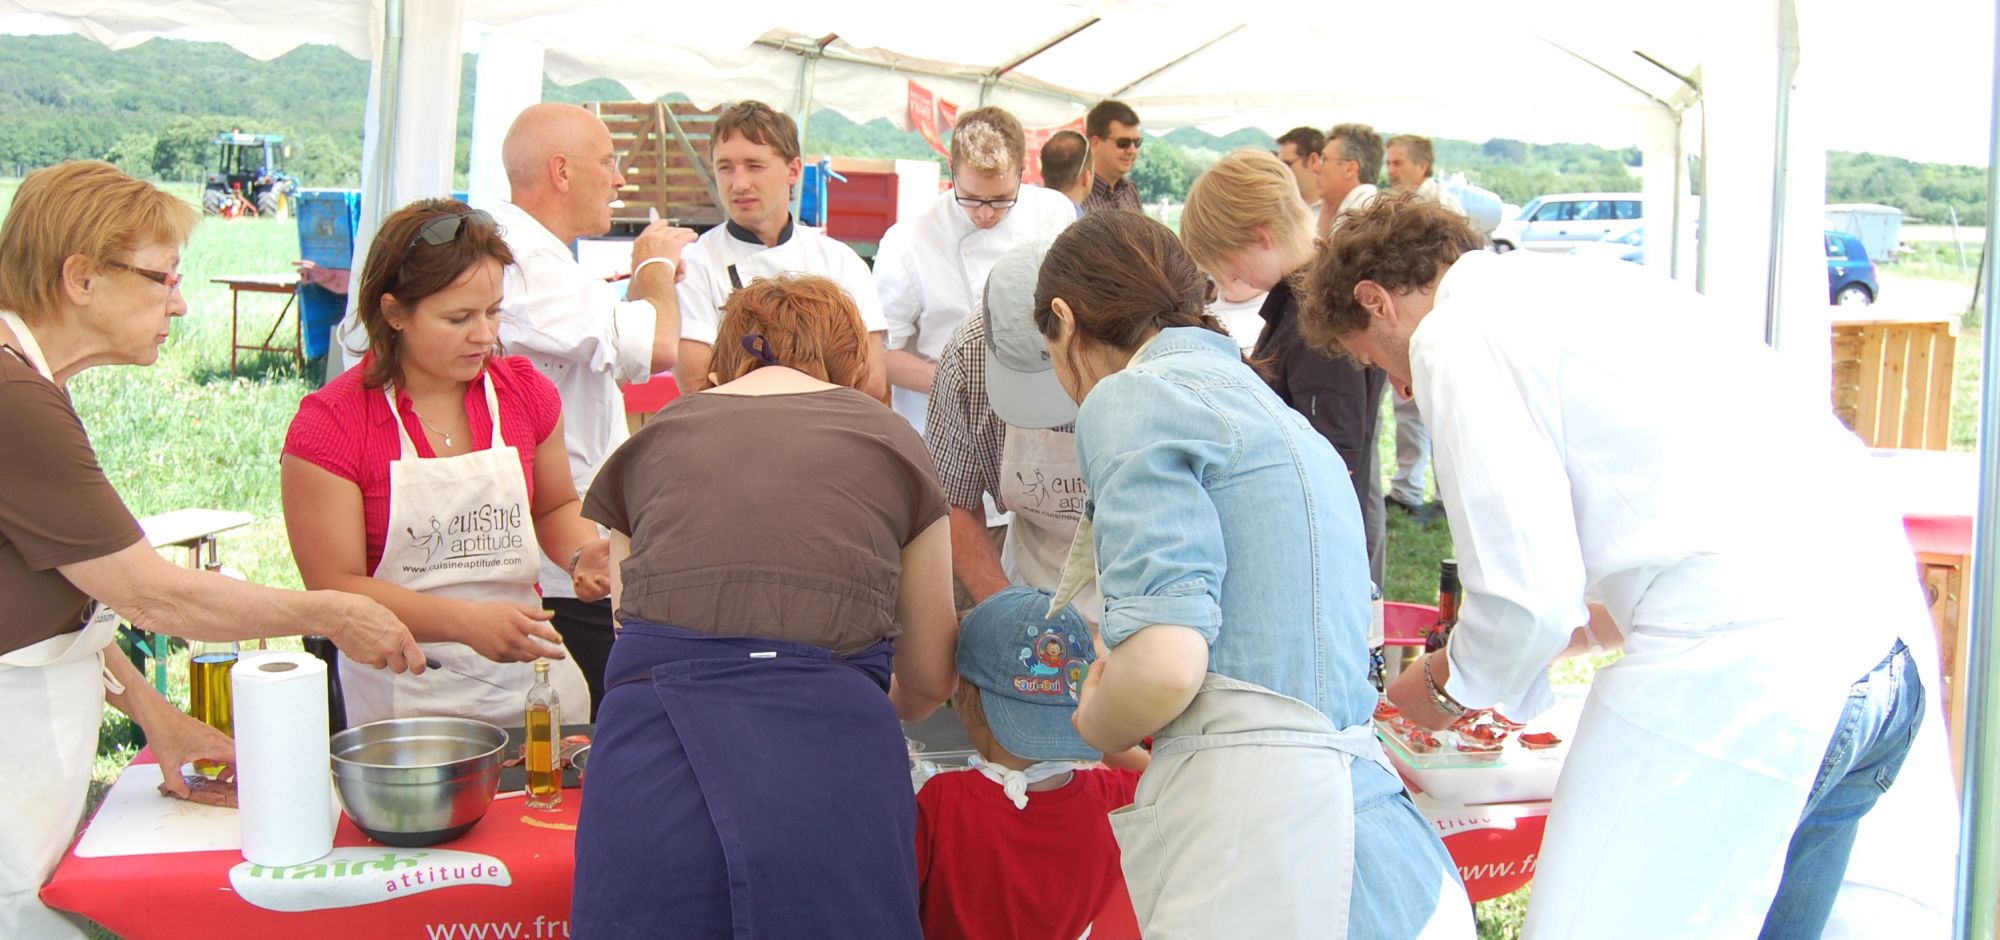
[{"x": 248, "y": 177}]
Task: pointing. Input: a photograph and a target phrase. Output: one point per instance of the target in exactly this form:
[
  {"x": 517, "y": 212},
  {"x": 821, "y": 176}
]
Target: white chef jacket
[
  {"x": 581, "y": 333},
  {"x": 800, "y": 250},
  {"x": 1592, "y": 428},
  {"x": 1568, "y": 462},
  {"x": 932, "y": 272},
  {"x": 1357, "y": 199}
]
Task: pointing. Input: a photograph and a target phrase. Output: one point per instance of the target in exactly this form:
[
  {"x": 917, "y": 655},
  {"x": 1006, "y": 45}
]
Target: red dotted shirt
[{"x": 344, "y": 429}]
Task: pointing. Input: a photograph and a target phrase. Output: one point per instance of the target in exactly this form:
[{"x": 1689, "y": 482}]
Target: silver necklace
[{"x": 434, "y": 428}]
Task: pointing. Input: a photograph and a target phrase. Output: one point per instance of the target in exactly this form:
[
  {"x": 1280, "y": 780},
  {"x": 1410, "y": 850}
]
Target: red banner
[{"x": 933, "y": 117}]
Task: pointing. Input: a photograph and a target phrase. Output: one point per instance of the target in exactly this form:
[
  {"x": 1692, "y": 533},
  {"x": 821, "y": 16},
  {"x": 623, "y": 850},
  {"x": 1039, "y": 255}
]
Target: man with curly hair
[
  {"x": 1775, "y": 713},
  {"x": 931, "y": 267}
]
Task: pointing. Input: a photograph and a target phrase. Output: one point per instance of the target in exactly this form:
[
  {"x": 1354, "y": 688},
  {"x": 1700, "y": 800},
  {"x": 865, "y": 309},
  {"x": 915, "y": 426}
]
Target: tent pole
[
  {"x": 1781, "y": 166},
  {"x": 380, "y": 169},
  {"x": 1701, "y": 239},
  {"x": 1680, "y": 192},
  {"x": 808, "y": 68},
  {"x": 1979, "y": 833}
]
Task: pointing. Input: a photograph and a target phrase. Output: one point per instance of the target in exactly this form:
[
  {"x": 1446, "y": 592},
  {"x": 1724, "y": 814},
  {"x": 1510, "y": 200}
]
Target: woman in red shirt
[{"x": 428, "y": 476}]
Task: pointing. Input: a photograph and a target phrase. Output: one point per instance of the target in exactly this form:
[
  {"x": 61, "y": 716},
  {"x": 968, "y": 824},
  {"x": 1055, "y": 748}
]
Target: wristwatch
[
  {"x": 575, "y": 557},
  {"x": 1439, "y": 699}
]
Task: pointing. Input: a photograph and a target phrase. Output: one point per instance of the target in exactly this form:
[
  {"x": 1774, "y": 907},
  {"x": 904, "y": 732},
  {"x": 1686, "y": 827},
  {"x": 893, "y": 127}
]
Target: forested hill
[{"x": 153, "y": 109}]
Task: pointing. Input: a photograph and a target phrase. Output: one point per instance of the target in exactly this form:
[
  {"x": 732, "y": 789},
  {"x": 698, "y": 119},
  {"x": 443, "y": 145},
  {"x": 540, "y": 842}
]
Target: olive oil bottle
[{"x": 544, "y": 729}]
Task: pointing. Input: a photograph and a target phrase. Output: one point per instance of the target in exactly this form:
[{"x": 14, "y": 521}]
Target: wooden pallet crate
[
  {"x": 1892, "y": 380},
  {"x": 663, "y": 150}
]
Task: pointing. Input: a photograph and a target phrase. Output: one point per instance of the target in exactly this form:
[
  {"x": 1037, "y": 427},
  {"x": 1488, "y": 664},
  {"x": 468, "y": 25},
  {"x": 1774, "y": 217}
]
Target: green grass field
[{"x": 184, "y": 433}]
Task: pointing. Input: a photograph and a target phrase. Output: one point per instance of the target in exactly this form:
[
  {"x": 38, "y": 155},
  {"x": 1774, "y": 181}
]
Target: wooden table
[
  {"x": 194, "y": 530},
  {"x": 287, "y": 284}
]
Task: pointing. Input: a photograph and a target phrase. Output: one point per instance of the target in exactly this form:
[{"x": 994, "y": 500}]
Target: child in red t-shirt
[{"x": 1019, "y": 847}]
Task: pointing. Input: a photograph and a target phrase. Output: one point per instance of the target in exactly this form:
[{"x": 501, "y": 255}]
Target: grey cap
[{"x": 1020, "y": 377}]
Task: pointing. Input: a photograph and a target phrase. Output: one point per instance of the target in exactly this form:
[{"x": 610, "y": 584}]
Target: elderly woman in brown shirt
[
  {"x": 87, "y": 259},
  {"x": 783, "y": 552}
]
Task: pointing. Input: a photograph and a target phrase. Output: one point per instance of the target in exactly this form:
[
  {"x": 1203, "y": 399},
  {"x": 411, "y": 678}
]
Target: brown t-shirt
[
  {"x": 56, "y": 507},
  {"x": 780, "y": 516}
]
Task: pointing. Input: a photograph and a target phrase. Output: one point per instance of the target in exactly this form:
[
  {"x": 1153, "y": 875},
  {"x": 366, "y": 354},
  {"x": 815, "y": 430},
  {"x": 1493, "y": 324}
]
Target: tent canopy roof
[{"x": 1552, "y": 70}]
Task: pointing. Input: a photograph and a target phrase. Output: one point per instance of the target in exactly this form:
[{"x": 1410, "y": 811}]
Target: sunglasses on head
[{"x": 444, "y": 230}]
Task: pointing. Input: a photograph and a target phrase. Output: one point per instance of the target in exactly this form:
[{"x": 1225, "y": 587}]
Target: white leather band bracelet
[{"x": 669, "y": 262}]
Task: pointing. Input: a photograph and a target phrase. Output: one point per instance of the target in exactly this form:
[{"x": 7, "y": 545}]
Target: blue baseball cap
[{"x": 1029, "y": 668}]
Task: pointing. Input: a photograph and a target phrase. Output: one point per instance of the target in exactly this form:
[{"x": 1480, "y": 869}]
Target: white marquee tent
[{"x": 1757, "y": 88}]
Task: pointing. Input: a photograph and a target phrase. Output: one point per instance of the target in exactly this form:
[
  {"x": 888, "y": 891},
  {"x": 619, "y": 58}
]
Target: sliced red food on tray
[
  {"x": 1471, "y": 747},
  {"x": 1484, "y": 734},
  {"x": 569, "y": 739},
  {"x": 1469, "y": 719},
  {"x": 1539, "y": 741},
  {"x": 1422, "y": 742},
  {"x": 1505, "y": 722},
  {"x": 1385, "y": 711}
]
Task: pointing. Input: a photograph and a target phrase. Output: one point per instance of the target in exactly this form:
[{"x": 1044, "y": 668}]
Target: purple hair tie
[{"x": 757, "y": 344}]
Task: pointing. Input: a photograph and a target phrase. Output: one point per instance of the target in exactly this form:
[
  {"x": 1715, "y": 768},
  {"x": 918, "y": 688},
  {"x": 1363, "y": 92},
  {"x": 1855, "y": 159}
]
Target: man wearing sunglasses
[
  {"x": 1114, "y": 148},
  {"x": 562, "y": 170},
  {"x": 932, "y": 266}
]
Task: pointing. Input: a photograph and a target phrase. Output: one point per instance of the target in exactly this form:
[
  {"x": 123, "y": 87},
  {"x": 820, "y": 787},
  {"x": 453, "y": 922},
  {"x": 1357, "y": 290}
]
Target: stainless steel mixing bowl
[{"x": 418, "y": 781}]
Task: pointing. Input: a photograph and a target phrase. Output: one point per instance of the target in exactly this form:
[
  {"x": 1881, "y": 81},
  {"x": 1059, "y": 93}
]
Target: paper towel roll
[{"x": 283, "y": 778}]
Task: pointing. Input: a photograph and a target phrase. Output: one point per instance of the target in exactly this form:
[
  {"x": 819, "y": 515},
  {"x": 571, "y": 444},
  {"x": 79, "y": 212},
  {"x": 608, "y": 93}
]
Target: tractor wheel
[
  {"x": 212, "y": 201},
  {"x": 268, "y": 203}
]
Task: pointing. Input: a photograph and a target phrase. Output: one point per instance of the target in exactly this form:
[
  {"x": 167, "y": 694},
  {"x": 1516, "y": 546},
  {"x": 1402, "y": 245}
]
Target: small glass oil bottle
[{"x": 544, "y": 730}]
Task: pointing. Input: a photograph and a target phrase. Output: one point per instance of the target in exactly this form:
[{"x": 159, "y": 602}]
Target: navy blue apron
[{"x": 744, "y": 787}]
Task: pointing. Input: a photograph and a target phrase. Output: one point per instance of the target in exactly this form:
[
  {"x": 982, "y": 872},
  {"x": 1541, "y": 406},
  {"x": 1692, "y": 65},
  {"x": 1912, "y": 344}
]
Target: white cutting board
[{"x": 135, "y": 819}]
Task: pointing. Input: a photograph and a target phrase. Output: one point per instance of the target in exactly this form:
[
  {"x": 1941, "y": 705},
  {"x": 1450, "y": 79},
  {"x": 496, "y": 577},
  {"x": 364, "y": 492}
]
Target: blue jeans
[{"x": 1880, "y": 721}]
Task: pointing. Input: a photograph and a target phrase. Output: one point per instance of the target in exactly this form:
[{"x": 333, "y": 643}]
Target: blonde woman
[
  {"x": 1245, "y": 221},
  {"x": 89, "y": 261}
]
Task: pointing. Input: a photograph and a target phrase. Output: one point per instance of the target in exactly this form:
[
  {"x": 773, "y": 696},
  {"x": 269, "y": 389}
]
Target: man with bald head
[{"x": 563, "y": 173}]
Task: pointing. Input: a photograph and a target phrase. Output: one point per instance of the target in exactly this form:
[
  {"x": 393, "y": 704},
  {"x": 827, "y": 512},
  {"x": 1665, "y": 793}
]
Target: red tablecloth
[
  {"x": 422, "y": 894},
  {"x": 1495, "y": 846},
  {"x": 644, "y": 398},
  {"x": 510, "y": 877},
  {"x": 526, "y": 860}
]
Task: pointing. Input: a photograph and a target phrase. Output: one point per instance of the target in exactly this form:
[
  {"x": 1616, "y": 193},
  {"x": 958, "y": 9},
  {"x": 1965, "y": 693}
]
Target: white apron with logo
[
  {"x": 1235, "y": 739},
  {"x": 63, "y": 677},
  {"x": 1042, "y": 484},
  {"x": 1245, "y": 767},
  {"x": 460, "y": 527}
]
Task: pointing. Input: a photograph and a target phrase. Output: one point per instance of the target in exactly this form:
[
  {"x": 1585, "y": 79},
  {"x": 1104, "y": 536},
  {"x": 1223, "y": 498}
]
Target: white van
[{"x": 1561, "y": 221}]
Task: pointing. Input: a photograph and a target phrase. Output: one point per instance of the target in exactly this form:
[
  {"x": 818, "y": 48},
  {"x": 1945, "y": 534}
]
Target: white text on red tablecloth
[
  {"x": 353, "y": 876},
  {"x": 540, "y": 927}
]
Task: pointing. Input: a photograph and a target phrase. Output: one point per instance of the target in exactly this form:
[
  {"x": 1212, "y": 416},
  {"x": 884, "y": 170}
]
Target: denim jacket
[{"x": 1218, "y": 507}]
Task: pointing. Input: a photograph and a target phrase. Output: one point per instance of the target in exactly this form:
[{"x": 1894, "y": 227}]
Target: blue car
[{"x": 1850, "y": 276}]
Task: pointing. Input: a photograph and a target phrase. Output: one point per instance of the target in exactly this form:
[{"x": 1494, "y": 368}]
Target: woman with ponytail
[{"x": 1226, "y": 539}]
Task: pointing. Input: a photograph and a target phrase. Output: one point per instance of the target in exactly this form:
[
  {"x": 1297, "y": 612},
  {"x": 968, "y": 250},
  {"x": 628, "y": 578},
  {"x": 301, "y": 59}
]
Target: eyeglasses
[
  {"x": 1004, "y": 202},
  {"x": 443, "y": 230},
  {"x": 609, "y": 163},
  {"x": 1127, "y": 143},
  {"x": 166, "y": 279}
]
